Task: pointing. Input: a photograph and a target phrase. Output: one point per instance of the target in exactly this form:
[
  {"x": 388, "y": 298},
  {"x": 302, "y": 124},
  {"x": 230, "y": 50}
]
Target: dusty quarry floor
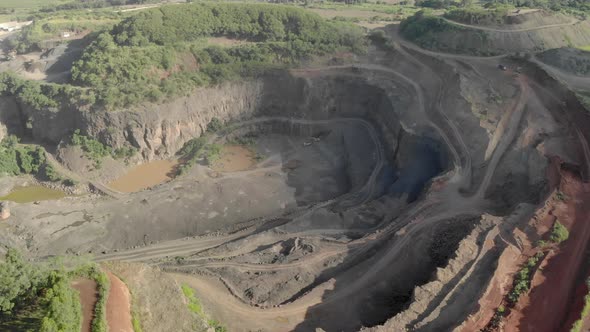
[{"x": 403, "y": 193}]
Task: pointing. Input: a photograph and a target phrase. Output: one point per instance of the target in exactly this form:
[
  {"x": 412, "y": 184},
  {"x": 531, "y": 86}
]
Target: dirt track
[
  {"x": 396, "y": 237},
  {"x": 118, "y": 306},
  {"x": 323, "y": 264},
  {"x": 478, "y": 27}
]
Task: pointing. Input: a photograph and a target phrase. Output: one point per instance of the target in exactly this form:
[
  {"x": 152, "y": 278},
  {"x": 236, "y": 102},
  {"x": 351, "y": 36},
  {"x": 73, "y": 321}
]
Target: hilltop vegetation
[
  {"x": 571, "y": 60},
  {"x": 425, "y": 29},
  {"x": 163, "y": 52},
  {"x": 47, "y": 28},
  {"x": 478, "y": 15},
  {"x": 436, "y": 33}
]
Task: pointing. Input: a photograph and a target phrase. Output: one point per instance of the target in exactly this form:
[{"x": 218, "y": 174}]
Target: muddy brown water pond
[
  {"x": 34, "y": 193},
  {"x": 234, "y": 158},
  {"x": 146, "y": 176}
]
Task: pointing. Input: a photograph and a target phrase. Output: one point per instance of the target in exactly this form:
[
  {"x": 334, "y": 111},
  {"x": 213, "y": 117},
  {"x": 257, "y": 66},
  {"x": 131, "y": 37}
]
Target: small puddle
[
  {"x": 234, "y": 158},
  {"x": 29, "y": 194},
  {"x": 145, "y": 176}
]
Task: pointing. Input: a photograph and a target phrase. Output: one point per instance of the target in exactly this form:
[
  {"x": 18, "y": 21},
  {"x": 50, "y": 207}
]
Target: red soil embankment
[
  {"x": 118, "y": 306},
  {"x": 512, "y": 258},
  {"x": 553, "y": 292},
  {"x": 88, "y": 298}
]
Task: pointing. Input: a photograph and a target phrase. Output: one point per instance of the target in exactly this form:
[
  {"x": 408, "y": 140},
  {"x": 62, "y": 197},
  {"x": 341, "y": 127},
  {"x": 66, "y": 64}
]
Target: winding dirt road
[{"x": 483, "y": 28}]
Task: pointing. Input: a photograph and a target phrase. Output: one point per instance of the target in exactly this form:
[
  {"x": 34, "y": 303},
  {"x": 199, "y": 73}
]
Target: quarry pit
[{"x": 398, "y": 192}]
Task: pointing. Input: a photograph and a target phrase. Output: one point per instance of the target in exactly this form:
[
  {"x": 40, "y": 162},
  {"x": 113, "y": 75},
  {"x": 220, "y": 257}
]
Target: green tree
[
  {"x": 17, "y": 280},
  {"x": 559, "y": 233}
]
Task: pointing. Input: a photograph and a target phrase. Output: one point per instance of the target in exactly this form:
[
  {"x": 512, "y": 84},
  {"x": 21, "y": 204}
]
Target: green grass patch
[
  {"x": 194, "y": 305},
  {"x": 20, "y": 4},
  {"x": 135, "y": 322}
]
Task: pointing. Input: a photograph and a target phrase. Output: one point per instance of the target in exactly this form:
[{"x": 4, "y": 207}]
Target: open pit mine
[{"x": 403, "y": 189}]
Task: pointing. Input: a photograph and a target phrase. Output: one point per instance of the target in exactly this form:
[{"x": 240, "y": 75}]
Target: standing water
[
  {"x": 145, "y": 176},
  {"x": 32, "y": 193}
]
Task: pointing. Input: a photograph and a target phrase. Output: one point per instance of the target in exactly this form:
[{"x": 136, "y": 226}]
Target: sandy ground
[
  {"x": 88, "y": 298},
  {"x": 234, "y": 158},
  {"x": 118, "y": 306}
]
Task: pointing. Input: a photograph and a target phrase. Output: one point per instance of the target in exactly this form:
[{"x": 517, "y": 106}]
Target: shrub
[
  {"x": 51, "y": 174},
  {"x": 99, "y": 322},
  {"x": 64, "y": 309},
  {"x": 558, "y": 233},
  {"x": 92, "y": 148},
  {"x": 212, "y": 152},
  {"x": 214, "y": 125},
  {"x": 18, "y": 159},
  {"x": 124, "y": 152},
  {"x": 126, "y": 65}
]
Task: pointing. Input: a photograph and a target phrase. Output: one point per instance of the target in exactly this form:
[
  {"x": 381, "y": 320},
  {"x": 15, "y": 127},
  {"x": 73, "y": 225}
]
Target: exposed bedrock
[{"x": 158, "y": 131}]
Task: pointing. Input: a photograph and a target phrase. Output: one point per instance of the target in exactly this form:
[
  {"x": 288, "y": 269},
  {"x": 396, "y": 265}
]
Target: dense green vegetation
[
  {"x": 379, "y": 38},
  {"x": 39, "y": 296},
  {"x": 16, "y": 159},
  {"x": 433, "y": 32},
  {"x": 163, "y": 52},
  {"x": 96, "y": 151},
  {"x": 522, "y": 280},
  {"x": 99, "y": 322},
  {"x": 45, "y": 287},
  {"x": 40, "y": 95},
  {"x": 478, "y": 15},
  {"x": 64, "y": 310}
]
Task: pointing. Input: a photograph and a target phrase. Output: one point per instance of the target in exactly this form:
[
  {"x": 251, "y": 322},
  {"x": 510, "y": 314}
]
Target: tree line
[{"x": 144, "y": 57}]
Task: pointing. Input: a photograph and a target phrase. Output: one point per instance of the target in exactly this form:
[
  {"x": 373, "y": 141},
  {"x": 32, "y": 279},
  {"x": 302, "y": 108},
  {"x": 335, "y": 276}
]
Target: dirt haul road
[{"x": 393, "y": 240}]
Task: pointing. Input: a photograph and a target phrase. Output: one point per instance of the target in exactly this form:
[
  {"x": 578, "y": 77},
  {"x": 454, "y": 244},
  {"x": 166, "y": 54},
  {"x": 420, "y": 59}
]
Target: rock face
[
  {"x": 4, "y": 211},
  {"x": 160, "y": 130}
]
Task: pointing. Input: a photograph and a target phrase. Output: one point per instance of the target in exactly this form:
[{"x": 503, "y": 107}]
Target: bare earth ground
[
  {"x": 155, "y": 295},
  {"x": 555, "y": 286},
  {"x": 321, "y": 232},
  {"x": 118, "y": 306},
  {"x": 234, "y": 158},
  {"x": 88, "y": 298}
]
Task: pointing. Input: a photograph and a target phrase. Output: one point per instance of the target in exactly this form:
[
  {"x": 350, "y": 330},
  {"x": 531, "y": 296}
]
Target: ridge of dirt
[
  {"x": 428, "y": 297},
  {"x": 157, "y": 301},
  {"x": 88, "y": 297}
]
